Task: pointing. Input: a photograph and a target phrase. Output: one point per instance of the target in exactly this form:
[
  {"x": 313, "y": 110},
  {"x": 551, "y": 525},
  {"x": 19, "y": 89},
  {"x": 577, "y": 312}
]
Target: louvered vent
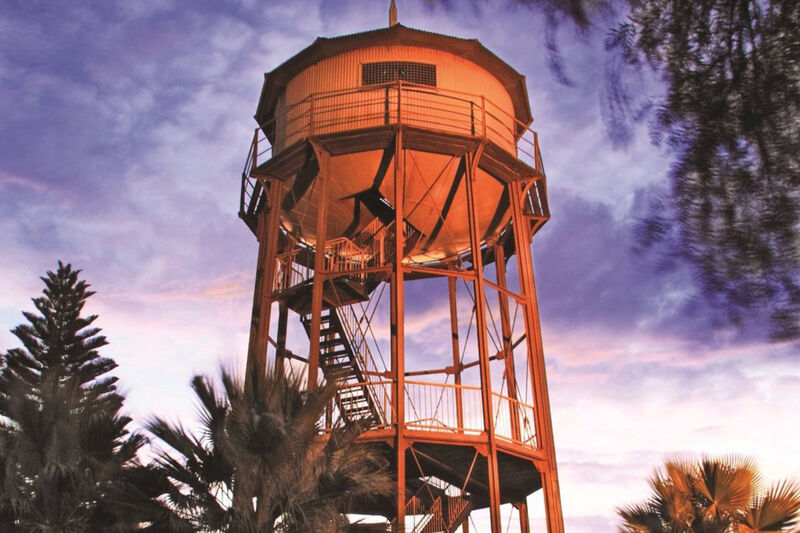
[{"x": 387, "y": 71}]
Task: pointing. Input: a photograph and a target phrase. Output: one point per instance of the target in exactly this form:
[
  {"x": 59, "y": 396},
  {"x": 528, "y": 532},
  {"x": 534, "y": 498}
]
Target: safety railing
[
  {"x": 260, "y": 150},
  {"x": 424, "y": 517},
  {"x": 399, "y": 102},
  {"x": 427, "y": 107},
  {"x": 289, "y": 271},
  {"x": 434, "y": 407},
  {"x": 347, "y": 391},
  {"x": 425, "y": 509},
  {"x": 342, "y": 255},
  {"x": 356, "y": 328},
  {"x": 504, "y": 408}
]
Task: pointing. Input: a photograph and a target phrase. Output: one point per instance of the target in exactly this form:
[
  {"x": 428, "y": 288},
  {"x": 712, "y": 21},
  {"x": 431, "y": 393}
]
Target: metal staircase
[
  {"x": 431, "y": 509},
  {"x": 340, "y": 363}
]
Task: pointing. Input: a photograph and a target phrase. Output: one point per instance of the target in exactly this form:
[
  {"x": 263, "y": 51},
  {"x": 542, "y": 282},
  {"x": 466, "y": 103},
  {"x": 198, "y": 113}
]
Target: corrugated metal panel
[
  {"x": 371, "y": 107},
  {"x": 455, "y": 105},
  {"x": 324, "y": 48}
]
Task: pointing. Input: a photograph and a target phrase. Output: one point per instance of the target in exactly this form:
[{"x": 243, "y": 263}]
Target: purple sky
[{"x": 123, "y": 130}]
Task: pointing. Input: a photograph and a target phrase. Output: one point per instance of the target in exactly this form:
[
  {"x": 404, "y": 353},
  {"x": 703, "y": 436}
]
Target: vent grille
[{"x": 388, "y": 71}]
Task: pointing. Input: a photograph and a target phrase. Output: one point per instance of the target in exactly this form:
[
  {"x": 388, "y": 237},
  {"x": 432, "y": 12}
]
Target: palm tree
[
  {"x": 64, "y": 447},
  {"x": 261, "y": 463},
  {"x": 713, "y": 496}
]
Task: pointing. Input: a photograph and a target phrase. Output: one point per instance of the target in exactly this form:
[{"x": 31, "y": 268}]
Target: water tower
[{"x": 386, "y": 166}]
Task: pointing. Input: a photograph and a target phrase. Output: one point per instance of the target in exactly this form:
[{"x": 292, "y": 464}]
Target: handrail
[
  {"x": 443, "y": 385},
  {"x": 431, "y": 407},
  {"x": 406, "y": 103},
  {"x": 343, "y": 256},
  {"x": 358, "y": 342},
  {"x": 350, "y": 109}
]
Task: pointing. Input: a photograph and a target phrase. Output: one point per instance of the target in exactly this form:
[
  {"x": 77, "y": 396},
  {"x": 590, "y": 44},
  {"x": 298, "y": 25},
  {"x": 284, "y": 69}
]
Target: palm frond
[
  {"x": 263, "y": 462},
  {"x": 724, "y": 486},
  {"x": 642, "y": 518},
  {"x": 776, "y": 510}
]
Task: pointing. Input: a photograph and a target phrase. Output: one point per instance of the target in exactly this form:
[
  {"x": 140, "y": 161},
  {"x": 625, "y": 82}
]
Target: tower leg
[
  {"x": 397, "y": 333},
  {"x": 481, "y": 330},
  {"x": 319, "y": 267},
  {"x": 451, "y": 290},
  {"x": 268, "y": 228},
  {"x": 544, "y": 426},
  {"x": 524, "y": 519},
  {"x": 280, "y": 349},
  {"x": 508, "y": 351}
]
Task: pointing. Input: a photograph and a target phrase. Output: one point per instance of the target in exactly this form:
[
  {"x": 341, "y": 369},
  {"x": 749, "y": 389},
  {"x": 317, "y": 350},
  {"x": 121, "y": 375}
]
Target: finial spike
[{"x": 392, "y": 14}]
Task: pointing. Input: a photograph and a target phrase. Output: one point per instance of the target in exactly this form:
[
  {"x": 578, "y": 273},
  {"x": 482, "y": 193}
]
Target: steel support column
[
  {"x": 544, "y": 427},
  {"x": 268, "y": 228},
  {"x": 511, "y": 371},
  {"x": 397, "y": 329},
  {"x": 524, "y": 519},
  {"x": 280, "y": 341},
  {"x": 508, "y": 351},
  {"x": 451, "y": 290},
  {"x": 481, "y": 330},
  {"x": 319, "y": 266}
]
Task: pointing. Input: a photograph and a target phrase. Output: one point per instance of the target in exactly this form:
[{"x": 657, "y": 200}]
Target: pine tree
[{"x": 65, "y": 451}]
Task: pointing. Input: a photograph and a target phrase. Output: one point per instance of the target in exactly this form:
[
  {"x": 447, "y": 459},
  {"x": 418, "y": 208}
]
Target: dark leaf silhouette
[
  {"x": 712, "y": 496},
  {"x": 65, "y": 449},
  {"x": 261, "y": 462}
]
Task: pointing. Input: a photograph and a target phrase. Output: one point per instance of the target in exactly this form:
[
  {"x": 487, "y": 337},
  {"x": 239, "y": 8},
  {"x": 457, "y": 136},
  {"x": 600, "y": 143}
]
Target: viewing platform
[{"x": 364, "y": 119}]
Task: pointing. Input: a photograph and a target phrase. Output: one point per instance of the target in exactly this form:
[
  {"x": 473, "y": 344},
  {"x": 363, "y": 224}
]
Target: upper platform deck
[
  {"x": 330, "y": 64},
  {"x": 355, "y": 126},
  {"x": 347, "y": 99}
]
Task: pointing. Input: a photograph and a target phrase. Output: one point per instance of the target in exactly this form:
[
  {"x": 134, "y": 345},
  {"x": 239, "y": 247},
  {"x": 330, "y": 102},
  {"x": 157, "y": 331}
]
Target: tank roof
[{"x": 325, "y": 47}]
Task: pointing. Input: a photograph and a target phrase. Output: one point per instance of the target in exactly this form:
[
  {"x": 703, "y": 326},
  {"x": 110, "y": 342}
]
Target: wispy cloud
[
  {"x": 9, "y": 180},
  {"x": 124, "y": 130}
]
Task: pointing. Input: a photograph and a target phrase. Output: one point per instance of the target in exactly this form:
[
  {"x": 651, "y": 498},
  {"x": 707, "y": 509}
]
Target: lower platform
[{"x": 459, "y": 465}]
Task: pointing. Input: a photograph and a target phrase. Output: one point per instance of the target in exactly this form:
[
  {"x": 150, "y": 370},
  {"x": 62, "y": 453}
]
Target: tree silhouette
[
  {"x": 712, "y": 495},
  {"x": 729, "y": 115},
  {"x": 64, "y": 448},
  {"x": 261, "y": 463}
]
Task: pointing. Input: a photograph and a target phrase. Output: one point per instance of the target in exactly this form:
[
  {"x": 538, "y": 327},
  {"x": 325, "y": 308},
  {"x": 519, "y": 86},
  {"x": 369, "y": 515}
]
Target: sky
[{"x": 123, "y": 130}]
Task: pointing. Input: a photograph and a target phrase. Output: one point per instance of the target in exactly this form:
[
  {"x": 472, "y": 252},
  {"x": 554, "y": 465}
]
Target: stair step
[
  {"x": 360, "y": 416},
  {"x": 339, "y": 367},
  {"x": 355, "y": 400},
  {"x": 358, "y": 411},
  {"x": 335, "y": 366},
  {"x": 324, "y": 317},
  {"x": 339, "y": 363},
  {"x": 336, "y": 363},
  {"x": 331, "y": 361},
  {"x": 330, "y": 343},
  {"x": 337, "y": 375},
  {"x": 354, "y": 393},
  {"x": 335, "y": 354},
  {"x": 358, "y": 407}
]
